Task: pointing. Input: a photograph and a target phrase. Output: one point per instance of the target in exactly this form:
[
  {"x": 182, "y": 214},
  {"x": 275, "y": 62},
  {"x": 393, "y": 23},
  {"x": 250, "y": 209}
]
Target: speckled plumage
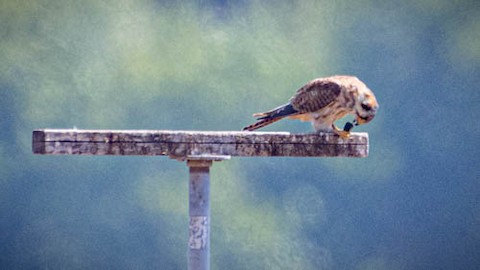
[{"x": 323, "y": 101}]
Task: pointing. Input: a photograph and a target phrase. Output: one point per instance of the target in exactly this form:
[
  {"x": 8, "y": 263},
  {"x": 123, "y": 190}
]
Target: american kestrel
[{"x": 323, "y": 101}]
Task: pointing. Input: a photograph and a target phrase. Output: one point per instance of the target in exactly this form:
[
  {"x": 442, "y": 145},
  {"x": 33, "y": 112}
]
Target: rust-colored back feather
[{"x": 315, "y": 95}]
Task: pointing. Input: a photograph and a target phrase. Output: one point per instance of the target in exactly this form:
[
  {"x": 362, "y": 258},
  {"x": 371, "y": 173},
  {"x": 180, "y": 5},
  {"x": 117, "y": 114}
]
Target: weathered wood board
[{"x": 182, "y": 144}]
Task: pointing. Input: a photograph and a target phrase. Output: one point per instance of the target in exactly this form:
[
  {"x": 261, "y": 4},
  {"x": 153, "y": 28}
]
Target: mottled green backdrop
[{"x": 414, "y": 203}]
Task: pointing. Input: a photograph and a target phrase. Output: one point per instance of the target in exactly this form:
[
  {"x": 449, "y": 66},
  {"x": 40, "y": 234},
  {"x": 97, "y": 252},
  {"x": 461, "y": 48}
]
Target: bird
[{"x": 323, "y": 101}]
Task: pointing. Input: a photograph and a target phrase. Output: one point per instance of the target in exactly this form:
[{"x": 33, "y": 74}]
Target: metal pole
[{"x": 199, "y": 212}]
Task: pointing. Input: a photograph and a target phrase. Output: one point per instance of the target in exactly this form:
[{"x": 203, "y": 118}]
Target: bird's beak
[{"x": 360, "y": 120}]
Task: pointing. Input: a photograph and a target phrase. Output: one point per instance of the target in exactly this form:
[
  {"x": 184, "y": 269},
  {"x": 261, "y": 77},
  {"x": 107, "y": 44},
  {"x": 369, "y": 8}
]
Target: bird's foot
[{"x": 344, "y": 134}]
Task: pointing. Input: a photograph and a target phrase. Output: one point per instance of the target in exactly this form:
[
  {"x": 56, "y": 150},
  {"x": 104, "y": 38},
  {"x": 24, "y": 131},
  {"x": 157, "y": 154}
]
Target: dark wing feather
[
  {"x": 266, "y": 118},
  {"x": 315, "y": 95},
  {"x": 280, "y": 111}
]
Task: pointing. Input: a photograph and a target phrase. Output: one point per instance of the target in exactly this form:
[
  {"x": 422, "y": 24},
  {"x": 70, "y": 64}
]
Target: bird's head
[{"x": 366, "y": 106}]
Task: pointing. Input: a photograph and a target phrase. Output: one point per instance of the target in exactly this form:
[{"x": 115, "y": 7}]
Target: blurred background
[{"x": 414, "y": 203}]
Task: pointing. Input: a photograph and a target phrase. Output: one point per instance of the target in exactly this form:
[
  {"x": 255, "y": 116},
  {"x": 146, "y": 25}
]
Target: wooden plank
[{"x": 181, "y": 144}]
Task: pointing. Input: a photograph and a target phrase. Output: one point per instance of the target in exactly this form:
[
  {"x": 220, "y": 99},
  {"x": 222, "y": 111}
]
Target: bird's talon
[{"x": 343, "y": 134}]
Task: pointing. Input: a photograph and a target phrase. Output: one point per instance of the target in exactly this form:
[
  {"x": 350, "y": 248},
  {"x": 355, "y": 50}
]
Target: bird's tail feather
[
  {"x": 284, "y": 110},
  {"x": 267, "y": 118},
  {"x": 261, "y": 123}
]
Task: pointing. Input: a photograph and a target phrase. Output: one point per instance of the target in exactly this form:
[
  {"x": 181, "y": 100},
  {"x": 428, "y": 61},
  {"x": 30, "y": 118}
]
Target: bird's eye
[{"x": 366, "y": 107}]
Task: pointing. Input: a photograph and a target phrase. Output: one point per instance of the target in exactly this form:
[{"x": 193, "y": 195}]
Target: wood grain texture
[{"x": 182, "y": 144}]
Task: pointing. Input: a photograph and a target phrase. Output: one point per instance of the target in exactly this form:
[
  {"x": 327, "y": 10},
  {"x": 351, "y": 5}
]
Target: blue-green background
[{"x": 414, "y": 203}]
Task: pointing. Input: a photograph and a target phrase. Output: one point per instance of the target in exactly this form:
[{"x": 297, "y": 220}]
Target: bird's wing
[{"x": 315, "y": 95}]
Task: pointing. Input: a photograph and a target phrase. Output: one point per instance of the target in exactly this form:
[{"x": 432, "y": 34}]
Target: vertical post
[{"x": 199, "y": 212}]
